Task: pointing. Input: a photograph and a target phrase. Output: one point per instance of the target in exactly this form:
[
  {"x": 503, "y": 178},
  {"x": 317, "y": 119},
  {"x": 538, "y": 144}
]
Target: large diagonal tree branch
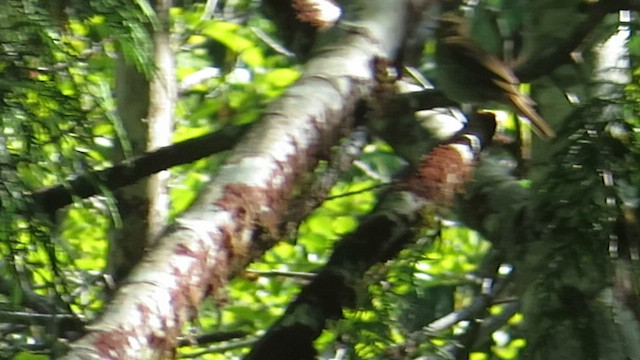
[
  {"x": 379, "y": 237},
  {"x": 223, "y": 229}
]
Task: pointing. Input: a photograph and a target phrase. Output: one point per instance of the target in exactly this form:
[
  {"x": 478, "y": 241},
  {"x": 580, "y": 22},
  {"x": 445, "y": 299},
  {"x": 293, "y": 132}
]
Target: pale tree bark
[
  {"x": 238, "y": 213},
  {"x": 146, "y": 110},
  {"x": 162, "y": 100}
]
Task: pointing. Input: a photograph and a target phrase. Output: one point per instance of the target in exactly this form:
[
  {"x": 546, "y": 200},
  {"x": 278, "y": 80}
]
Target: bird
[{"x": 467, "y": 73}]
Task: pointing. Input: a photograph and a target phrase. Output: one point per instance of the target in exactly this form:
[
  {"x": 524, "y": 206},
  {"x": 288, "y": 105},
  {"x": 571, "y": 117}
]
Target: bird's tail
[{"x": 525, "y": 106}]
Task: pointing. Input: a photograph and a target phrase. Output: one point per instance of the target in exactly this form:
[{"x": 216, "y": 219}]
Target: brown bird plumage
[{"x": 469, "y": 74}]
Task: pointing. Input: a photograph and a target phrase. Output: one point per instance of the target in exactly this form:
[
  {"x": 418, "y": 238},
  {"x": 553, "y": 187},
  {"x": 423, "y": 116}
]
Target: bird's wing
[
  {"x": 504, "y": 78},
  {"x": 488, "y": 60}
]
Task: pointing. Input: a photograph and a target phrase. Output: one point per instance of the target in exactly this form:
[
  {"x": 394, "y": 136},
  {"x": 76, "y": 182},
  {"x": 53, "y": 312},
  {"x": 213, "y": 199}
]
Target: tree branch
[
  {"x": 237, "y": 215},
  {"x": 50, "y": 199},
  {"x": 378, "y": 238},
  {"x": 219, "y": 336}
]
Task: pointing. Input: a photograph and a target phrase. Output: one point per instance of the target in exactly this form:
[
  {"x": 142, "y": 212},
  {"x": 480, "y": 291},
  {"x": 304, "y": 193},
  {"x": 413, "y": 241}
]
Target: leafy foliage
[
  {"x": 574, "y": 275},
  {"x": 57, "y": 120}
]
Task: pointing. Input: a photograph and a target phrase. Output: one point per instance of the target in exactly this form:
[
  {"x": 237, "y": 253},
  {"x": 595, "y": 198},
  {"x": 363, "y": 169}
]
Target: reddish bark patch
[
  {"x": 157, "y": 342},
  {"x": 250, "y": 207},
  {"x": 219, "y": 273},
  {"x": 107, "y": 343},
  {"x": 143, "y": 309},
  {"x": 182, "y": 249},
  {"x": 192, "y": 284}
]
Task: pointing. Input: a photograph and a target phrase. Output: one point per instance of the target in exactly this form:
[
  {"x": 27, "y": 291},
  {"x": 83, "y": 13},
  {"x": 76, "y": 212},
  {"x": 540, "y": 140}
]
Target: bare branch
[{"x": 50, "y": 199}]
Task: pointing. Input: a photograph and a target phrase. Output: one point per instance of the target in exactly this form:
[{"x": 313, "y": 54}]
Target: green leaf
[
  {"x": 282, "y": 77},
  {"x": 29, "y": 356}
]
